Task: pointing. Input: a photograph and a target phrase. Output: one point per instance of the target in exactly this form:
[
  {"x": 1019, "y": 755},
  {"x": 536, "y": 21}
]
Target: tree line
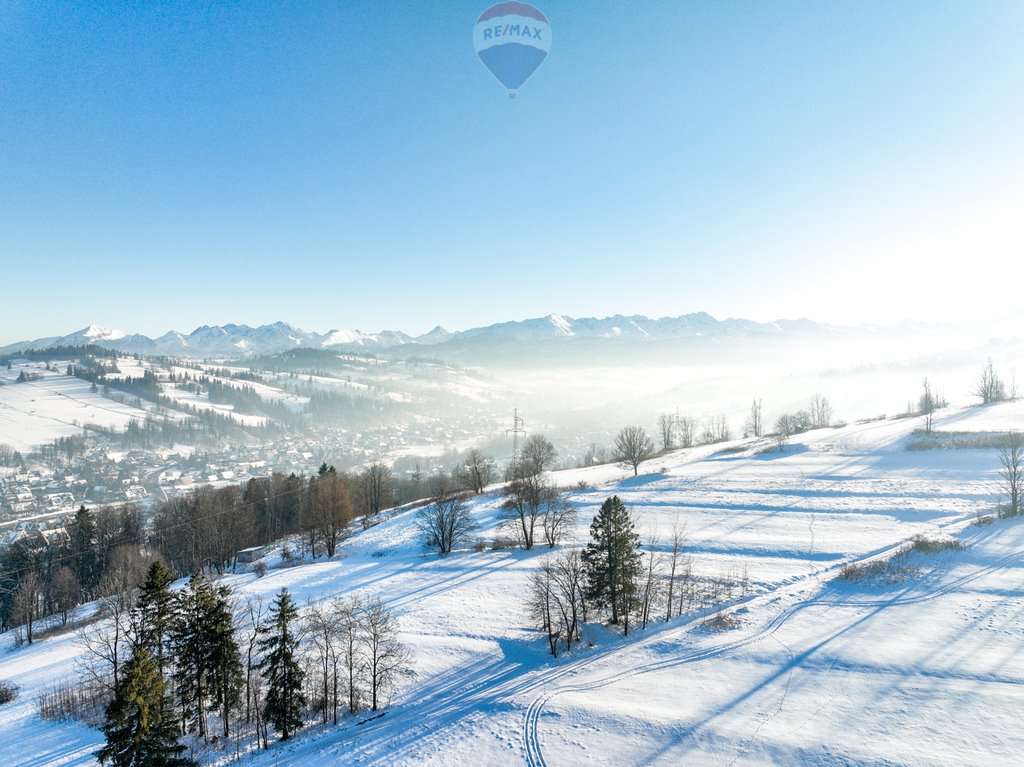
[
  {"x": 198, "y": 662},
  {"x": 48, "y": 574}
]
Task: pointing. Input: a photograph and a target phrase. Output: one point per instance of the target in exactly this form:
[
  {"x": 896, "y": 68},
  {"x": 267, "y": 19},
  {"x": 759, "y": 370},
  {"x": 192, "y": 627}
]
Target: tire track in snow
[{"x": 534, "y": 752}]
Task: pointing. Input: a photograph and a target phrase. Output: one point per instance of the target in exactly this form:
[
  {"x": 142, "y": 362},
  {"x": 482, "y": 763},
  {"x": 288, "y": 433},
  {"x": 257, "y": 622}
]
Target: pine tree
[
  {"x": 613, "y": 560},
  {"x": 280, "y": 668},
  {"x": 138, "y": 726}
]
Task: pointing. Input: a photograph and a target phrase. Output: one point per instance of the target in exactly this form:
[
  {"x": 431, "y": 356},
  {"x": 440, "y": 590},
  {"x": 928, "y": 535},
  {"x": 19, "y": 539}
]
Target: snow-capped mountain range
[{"x": 242, "y": 340}]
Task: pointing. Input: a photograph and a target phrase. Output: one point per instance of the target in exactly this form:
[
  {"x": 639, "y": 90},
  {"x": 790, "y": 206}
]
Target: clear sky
[{"x": 352, "y": 164}]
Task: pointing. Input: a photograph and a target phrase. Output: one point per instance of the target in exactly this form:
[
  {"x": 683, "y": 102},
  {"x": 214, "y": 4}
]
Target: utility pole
[{"x": 515, "y": 431}]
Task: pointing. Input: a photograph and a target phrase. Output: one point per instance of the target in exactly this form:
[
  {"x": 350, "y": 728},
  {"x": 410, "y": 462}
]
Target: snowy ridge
[
  {"x": 811, "y": 671},
  {"x": 243, "y": 340}
]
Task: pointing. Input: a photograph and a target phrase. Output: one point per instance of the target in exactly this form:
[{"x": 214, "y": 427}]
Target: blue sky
[{"x": 352, "y": 164}]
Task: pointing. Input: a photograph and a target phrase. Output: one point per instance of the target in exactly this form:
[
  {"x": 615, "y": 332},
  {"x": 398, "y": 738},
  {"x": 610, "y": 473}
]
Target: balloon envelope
[{"x": 512, "y": 39}]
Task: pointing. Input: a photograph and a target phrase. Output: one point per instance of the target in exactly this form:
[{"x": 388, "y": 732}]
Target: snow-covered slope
[
  {"x": 36, "y": 412},
  {"x": 922, "y": 672}
]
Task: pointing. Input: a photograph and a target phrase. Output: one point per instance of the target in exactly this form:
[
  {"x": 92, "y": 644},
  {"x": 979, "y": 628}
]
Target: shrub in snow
[
  {"x": 898, "y": 567},
  {"x": 927, "y": 545},
  {"x": 722, "y": 621}
]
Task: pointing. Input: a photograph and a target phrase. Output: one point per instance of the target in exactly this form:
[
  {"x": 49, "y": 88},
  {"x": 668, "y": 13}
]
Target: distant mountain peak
[
  {"x": 562, "y": 324},
  {"x": 233, "y": 340},
  {"x": 100, "y": 333},
  {"x": 436, "y": 336}
]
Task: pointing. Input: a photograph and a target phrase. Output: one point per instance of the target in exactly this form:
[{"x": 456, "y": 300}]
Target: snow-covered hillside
[
  {"x": 53, "y": 405},
  {"x": 813, "y": 671}
]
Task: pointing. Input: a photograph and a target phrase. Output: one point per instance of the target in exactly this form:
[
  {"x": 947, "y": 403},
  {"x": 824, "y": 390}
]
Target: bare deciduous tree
[
  {"x": 535, "y": 500},
  {"x": 558, "y": 515},
  {"x": 666, "y": 427},
  {"x": 27, "y": 603},
  {"x": 251, "y": 617},
  {"x": 322, "y": 634},
  {"x": 571, "y": 579},
  {"x": 677, "y": 563},
  {"x": 107, "y": 644},
  {"x": 125, "y": 571},
  {"x": 65, "y": 592},
  {"x": 785, "y": 427},
  {"x": 649, "y": 588},
  {"x": 446, "y": 521},
  {"x": 927, "y": 406},
  {"x": 537, "y": 455},
  {"x": 755, "y": 421},
  {"x": 633, "y": 446},
  {"x": 686, "y": 429},
  {"x": 542, "y": 606},
  {"x": 377, "y": 487},
  {"x": 821, "y": 412},
  {"x": 1011, "y": 458},
  {"x": 716, "y": 429},
  {"x": 385, "y": 655},
  {"x": 477, "y": 471},
  {"x": 557, "y": 600},
  {"x": 990, "y": 387},
  {"x": 522, "y": 506},
  {"x": 348, "y": 614},
  {"x": 330, "y": 510}
]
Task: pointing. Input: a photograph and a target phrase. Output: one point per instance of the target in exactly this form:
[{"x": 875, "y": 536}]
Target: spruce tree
[
  {"x": 139, "y": 728},
  {"x": 226, "y": 677},
  {"x": 280, "y": 668},
  {"x": 83, "y": 558},
  {"x": 209, "y": 665},
  {"x": 155, "y": 610},
  {"x": 613, "y": 560}
]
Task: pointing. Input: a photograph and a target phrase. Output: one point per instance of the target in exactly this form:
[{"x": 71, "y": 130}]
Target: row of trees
[
  {"x": 204, "y": 529},
  {"x": 532, "y": 505},
  {"x": 177, "y": 663},
  {"x": 207, "y": 527},
  {"x": 681, "y": 431},
  {"x": 533, "y": 508},
  {"x": 989, "y": 388},
  {"x": 817, "y": 416}
]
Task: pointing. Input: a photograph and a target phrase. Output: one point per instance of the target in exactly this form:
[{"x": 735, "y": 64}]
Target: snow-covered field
[
  {"x": 928, "y": 671},
  {"x": 34, "y": 413}
]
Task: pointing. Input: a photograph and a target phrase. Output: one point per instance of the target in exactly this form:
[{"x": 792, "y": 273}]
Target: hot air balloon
[{"x": 512, "y": 39}]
